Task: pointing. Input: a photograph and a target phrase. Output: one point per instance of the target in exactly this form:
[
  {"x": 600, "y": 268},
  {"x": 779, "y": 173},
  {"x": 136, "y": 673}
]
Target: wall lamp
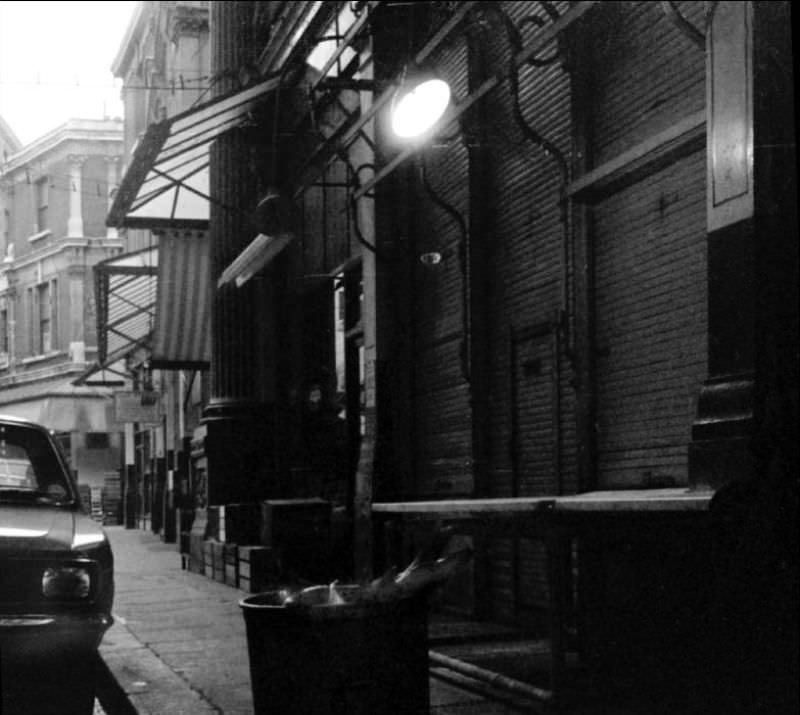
[
  {"x": 419, "y": 102},
  {"x": 273, "y": 221},
  {"x": 273, "y": 214}
]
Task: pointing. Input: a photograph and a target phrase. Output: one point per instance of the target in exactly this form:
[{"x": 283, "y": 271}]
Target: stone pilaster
[
  {"x": 75, "y": 220},
  {"x": 112, "y": 180}
]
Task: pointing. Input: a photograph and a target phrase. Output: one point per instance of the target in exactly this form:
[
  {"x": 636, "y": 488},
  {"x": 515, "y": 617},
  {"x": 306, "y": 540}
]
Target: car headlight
[{"x": 66, "y": 582}]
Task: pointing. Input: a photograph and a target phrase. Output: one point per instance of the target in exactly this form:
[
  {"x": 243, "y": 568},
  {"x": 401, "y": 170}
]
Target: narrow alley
[{"x": 178, "y": 644}]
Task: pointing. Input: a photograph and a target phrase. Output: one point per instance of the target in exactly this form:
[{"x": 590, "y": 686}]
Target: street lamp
[{"x": 419, "y": 102}]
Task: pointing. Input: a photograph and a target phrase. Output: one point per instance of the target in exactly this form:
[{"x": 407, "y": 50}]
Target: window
[
  {"x": 42, "y": 199},
  {"x": 4, "y": 341},
  {"x": 30, "y": 321},
  {"x": 42, "y": 315},
  {"x": 53, "y": 314},
  {"x": 97, "y": 440},
  {"x": 6, "y": 231},
  {"x": 44, "y": 327}
]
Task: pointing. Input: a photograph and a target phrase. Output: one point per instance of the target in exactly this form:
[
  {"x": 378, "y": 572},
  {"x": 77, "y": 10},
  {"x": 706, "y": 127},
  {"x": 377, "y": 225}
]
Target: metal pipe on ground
[{"x": 497, "y": 680}]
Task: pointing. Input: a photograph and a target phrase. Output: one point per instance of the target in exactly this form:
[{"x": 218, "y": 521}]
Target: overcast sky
[{"x": 55, "y": 62}]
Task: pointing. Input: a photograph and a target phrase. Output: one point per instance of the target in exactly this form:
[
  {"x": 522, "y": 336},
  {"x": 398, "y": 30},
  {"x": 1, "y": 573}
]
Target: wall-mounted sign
[
  {"x": 134, "y": 406},
  {"x": 730, "y": 115}
]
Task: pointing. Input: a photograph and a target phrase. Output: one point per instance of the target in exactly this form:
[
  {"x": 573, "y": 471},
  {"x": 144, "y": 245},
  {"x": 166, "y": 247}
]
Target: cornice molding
[
  {"x": 7, "y": 133},
  {"x": 62, "y": 246},
  {"x": 95, "y": 131},
  {"x": 120, "y": 64}
]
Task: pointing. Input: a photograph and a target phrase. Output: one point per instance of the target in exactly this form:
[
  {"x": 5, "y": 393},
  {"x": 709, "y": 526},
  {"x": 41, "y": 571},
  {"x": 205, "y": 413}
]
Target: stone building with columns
[
  {"x": 163, "y": 64},
  {"x": 55, "y": 193},
  {"x": 9, "y": 145}
]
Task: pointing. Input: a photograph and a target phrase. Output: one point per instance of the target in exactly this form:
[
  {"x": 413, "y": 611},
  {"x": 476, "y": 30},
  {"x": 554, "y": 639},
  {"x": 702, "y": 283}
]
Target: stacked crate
[
  {"x": 111, "y": 496},
  {"x": 259, "y": 568},
  {"x": 230, "y": 557},
  {"x": 301, "y": 530},
  {"x": 208, "y": 558},
  {"x": 196, "y": 538},
  {"x": 218, "y": 561},
  {"x": 254, "y": 546}
]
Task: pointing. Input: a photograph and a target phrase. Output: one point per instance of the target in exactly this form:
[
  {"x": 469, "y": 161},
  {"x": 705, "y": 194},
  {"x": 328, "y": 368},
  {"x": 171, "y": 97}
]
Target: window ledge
[
  {"x": 42, "y": 357},
  {"x": 39, "y": 236}
]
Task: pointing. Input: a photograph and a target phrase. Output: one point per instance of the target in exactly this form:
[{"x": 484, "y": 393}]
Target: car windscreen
[{"x": 30, "y": 469}]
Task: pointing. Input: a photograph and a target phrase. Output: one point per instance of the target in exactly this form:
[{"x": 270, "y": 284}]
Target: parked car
[{"x": 56, "y": 579}]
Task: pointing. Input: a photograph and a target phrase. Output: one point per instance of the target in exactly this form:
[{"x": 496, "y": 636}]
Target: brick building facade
[{"x": 578, "y": 292}]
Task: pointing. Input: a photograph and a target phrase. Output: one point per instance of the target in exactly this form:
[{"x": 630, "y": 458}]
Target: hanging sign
[{"x": 137, "y": 406}]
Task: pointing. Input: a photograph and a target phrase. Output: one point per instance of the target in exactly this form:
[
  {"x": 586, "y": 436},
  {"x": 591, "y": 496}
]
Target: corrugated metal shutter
[
  {"x": 651, "y": 323},
  {"x": 647, "y": 74},
  {"x": 649, "y": 247}
]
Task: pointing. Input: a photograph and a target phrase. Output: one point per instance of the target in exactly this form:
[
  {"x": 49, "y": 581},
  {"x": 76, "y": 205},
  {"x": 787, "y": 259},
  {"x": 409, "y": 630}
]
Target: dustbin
[{"x": 355, "y": 658}]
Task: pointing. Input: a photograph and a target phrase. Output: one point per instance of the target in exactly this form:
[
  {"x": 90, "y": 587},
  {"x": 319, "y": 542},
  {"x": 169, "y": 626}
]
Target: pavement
[{"x": 178, "y": 644}]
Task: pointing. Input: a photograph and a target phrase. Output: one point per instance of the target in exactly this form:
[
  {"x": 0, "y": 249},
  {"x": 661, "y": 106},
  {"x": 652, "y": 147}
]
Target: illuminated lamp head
[{"x": 419, "y": 103}]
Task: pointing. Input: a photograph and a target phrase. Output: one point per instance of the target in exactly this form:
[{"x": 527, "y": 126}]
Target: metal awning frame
[
  {"x": 105, "y": 293},
  {"x": 174, "y": 151},
  {"x": 84, "y": 377}
]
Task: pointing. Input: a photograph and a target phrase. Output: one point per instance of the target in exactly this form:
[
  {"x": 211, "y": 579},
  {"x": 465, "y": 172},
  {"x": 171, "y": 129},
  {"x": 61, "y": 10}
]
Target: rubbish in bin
[
  {"x": 417, "y": 577},
  {"x": 355, "y": 658},
  {"x": 316, "y": 596},
  {"x": 346, "y": 648}
]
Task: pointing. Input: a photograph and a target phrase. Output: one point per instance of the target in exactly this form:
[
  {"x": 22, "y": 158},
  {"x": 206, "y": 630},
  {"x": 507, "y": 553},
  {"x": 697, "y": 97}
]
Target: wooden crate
[
  {"x": 217, "y": 561},
  {"x": 230, "y": 557},
  {"x": 301, "y": 529},
  {"x": 197, "y": 538},
  {"x": 240, "y": 523},
  {"x": 259, "y": 567},
  {"x": 208, "y": 558}
]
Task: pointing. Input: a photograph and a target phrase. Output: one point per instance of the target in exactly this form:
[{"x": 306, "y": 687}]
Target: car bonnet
[{"x": 24, "y": 528}]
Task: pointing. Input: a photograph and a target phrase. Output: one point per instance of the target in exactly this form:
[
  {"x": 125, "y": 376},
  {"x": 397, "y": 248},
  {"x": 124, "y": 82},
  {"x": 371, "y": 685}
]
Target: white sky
[{"x": 55, "y": 62}]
